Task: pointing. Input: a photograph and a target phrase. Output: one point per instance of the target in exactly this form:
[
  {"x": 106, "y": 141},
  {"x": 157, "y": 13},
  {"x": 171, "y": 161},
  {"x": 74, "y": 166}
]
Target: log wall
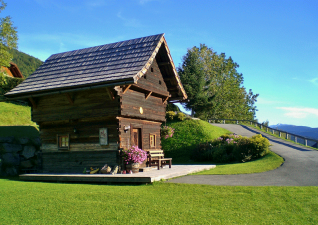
[{"x": 87, "y": 112}]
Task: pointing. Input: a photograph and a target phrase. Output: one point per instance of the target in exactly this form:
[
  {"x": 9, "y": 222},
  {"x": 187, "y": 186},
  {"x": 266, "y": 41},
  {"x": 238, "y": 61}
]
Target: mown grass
[
  {"x": 270, "y": 161},
  {"x": 15, "y": 115},
  {"x": 187, "y": 136},
  {"x": 160, "y": 203}
]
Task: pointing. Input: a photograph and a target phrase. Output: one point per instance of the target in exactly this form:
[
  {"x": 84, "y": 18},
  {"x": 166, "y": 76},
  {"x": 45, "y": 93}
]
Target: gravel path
[{"x": 300, "y": 167}]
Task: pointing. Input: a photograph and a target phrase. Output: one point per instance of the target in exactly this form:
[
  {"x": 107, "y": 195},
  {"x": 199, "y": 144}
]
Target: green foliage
[
  {"x": 180, "y": 116},
  {"x": 7, "y": 83},
  {"x": 43, "y": 203},
  {"x": 166, "y": 132},
  {"x": 26, "y": 63},
  {"x": 172, "y": 107},
  {"x": 232, "y": 148},
  {"x": 188, "y": 134},
  {"x": 214, "y": 86},
  {"x": 170, "y": 115},
  {"x": 8, "y": 37}
]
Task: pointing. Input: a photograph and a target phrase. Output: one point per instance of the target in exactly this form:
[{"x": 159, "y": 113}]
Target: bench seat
[{"x": 156, "y": 158}]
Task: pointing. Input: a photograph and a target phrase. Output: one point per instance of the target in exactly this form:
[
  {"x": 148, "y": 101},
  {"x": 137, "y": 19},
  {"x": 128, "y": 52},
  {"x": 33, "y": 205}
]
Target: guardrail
[{"x": 282, "y": 134}]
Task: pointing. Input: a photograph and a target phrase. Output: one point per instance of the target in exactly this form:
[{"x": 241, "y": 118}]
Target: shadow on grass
[
  {"x": 282, "y": 142},
  {"x": 19, "y": 131}
]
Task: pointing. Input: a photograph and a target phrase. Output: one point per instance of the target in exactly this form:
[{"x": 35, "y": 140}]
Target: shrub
[
  {"x": 166, "y": 132},
  {"x": 180, "y": 116},
  {"x": 232, "y": 148},
  {"x": 170, "y": 115},
  {"x": 7, "y": 83}
]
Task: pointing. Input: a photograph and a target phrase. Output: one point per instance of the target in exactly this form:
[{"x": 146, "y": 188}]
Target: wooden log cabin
[{"x": 92, "y": 103}]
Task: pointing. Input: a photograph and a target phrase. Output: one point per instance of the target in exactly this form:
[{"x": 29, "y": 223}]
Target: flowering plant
[
  {"x": 167, "y": 132},
  {"x": 134, "y": 155}
]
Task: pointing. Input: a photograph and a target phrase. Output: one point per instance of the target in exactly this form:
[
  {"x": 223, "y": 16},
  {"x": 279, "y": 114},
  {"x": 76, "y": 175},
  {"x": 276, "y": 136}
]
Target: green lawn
[
  {"x": 160, "y": 203},
  {"x": 15, "y": 115},
  {"x": 268, "y": 162}
]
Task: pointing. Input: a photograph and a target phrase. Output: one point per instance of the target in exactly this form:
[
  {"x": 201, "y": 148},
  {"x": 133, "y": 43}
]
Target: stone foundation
[{"x": 19, "y": 155}]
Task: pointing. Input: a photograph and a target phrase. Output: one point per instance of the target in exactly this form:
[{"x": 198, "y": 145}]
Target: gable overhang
[{"x": 168, "y": 71}]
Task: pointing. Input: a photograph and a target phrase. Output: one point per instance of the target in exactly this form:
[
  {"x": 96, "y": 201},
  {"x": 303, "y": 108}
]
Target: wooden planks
[{"x": 75, "y": 162}]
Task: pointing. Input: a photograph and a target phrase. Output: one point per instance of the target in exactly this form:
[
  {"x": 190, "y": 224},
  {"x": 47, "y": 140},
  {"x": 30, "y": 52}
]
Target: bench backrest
[{"x": 155, "y": 154}]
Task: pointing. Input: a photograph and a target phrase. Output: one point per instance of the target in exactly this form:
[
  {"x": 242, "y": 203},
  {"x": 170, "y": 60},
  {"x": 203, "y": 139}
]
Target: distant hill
[
  {"x": 26, "y": 63},
  {"x": 299, "y": 130}
]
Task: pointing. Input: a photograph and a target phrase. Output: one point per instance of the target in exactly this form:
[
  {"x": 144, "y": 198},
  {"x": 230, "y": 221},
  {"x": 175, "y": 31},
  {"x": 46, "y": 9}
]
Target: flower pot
[{"x": 135, "y": 167}]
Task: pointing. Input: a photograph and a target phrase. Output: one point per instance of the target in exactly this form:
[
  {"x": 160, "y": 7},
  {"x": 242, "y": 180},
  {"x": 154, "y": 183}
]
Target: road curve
[{"x": 300, "y": 167}]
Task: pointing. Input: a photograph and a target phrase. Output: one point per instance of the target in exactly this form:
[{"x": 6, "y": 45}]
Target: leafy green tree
[
  {"x": 214, "y": 86},
  {"x": 8, "y": 37}
]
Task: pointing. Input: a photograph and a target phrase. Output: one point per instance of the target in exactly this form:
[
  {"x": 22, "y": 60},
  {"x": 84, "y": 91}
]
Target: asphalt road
[{"x": 299, "y": 169}]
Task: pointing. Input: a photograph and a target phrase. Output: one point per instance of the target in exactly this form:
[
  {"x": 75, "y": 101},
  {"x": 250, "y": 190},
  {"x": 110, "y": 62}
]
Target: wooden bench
[{"x": 156, "y": 158}]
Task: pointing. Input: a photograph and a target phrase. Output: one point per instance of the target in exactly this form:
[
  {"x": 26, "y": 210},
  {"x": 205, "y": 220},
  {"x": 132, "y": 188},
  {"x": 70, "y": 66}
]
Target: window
[
  {"x": 151, "y": 69},
  {"x": 63, "y": 142},
  {"x": 152, "y": 140}
]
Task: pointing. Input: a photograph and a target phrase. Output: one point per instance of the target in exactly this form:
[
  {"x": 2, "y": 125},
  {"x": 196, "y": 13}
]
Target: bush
[
  {"x": 180, "y": 116},
  {"x": 232, "y": 148},
  {"x": 7, "y": 83},
  {"x": 170, "y": 115},
  {"x": 166, "y": 132}
]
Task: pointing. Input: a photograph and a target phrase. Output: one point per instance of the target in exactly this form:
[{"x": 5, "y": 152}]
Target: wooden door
[{"x": 136, "y": 137}]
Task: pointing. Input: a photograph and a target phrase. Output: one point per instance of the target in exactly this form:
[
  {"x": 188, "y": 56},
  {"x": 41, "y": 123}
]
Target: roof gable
[
  {"x": 12, "y": 71},
  {"x": 111, "y": 64}
]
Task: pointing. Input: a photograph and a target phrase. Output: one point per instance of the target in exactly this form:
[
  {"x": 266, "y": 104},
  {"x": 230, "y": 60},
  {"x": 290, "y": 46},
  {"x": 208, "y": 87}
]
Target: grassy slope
[
  {"x": 188, "y": 134},
  {"x": 15, "y": 120},
  {"x": 52, "y": 203}
]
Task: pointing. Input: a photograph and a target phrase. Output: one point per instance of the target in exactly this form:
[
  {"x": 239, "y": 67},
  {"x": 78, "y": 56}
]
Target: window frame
[
  {"x": 60, "y": 142},
  {"x": 154, "y": 141}
]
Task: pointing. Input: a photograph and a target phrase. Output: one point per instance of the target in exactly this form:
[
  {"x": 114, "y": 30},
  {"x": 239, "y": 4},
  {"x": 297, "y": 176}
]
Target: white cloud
[
  {"x": 314, "y": 81},
  {"x": 129, "y": 22},
  {"x": 299, "y": 113},
  {"x": 267, "y": 101}
]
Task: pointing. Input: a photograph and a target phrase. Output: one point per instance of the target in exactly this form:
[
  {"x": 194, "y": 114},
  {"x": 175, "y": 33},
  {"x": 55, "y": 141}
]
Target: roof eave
[{"x": 66, "y": 90}]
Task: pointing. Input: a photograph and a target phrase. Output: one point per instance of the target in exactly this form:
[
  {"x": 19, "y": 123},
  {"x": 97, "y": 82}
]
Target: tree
[
  {"x": 8, "y": 38},
  {"x": 214, "y": 86},
  {"x": 194, "y": 81}
]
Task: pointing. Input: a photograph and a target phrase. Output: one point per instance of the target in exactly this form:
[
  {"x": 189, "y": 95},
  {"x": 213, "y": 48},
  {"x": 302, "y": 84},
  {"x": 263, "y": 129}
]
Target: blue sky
[{"x": 275, "y": 42}]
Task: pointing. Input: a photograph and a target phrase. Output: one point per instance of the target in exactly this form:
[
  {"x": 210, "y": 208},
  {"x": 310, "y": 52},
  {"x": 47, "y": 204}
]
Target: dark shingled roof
[{"x": 111, "y": 64}]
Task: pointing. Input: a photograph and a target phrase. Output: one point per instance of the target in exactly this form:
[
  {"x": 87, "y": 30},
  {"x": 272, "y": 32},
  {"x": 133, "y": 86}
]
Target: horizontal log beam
[{"x": 164, "y": 63}]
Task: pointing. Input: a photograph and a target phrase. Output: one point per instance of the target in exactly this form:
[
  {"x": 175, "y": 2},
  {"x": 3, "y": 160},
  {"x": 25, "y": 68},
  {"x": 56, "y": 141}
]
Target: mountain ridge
[{"x": 304, "y": 131}]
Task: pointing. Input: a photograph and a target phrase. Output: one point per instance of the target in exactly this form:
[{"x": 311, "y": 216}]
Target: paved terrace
[{"x": 141, "y": 177}]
